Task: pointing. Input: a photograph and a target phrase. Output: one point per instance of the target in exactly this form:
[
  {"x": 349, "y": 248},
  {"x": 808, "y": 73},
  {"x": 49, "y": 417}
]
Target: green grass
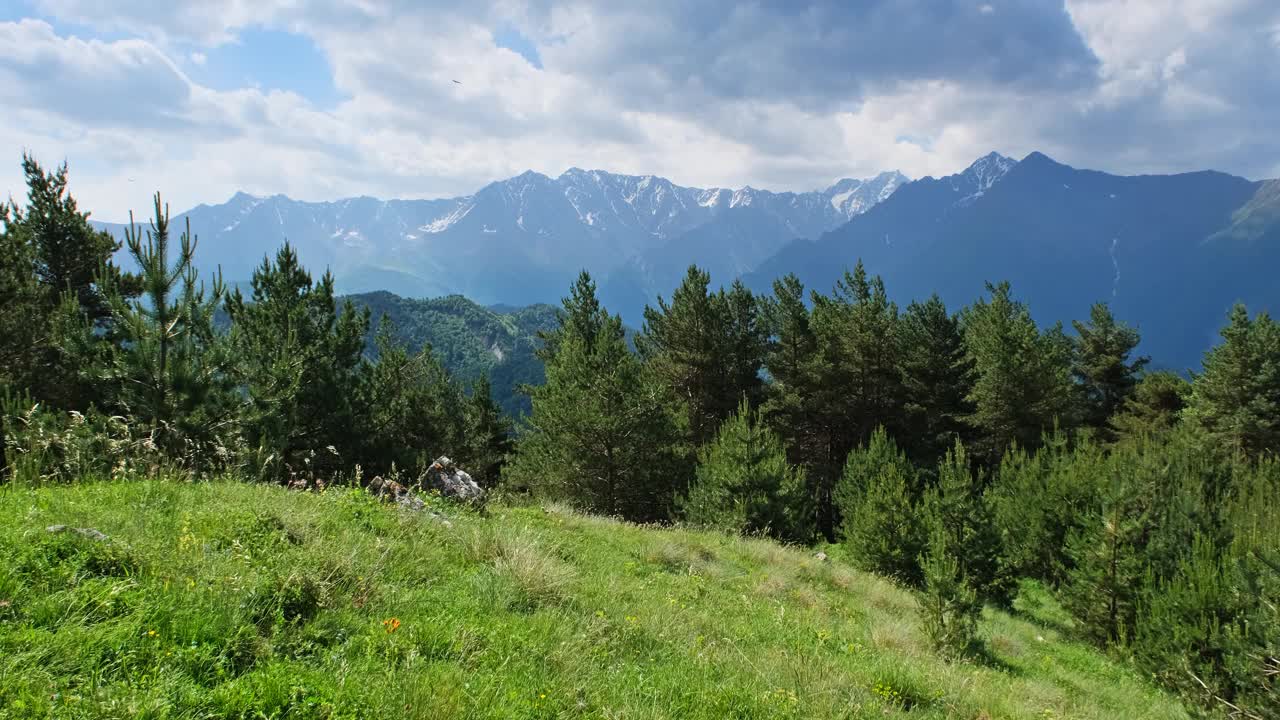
[{"x": 236, "y": 600}]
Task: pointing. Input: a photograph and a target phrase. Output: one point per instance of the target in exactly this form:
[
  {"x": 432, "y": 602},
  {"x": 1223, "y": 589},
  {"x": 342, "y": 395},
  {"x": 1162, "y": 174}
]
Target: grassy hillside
[{"x": 235, "y": 600}]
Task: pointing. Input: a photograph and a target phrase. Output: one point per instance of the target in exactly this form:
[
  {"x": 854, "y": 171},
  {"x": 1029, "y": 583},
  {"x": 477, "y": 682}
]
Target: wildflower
[
  {"x": 152, "y": 633},
  {"x": 391, "y": 625}
]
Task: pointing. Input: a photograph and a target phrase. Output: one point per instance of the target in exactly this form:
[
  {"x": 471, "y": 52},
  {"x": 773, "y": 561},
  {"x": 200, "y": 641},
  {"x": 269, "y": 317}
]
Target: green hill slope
[
  {"x": 471, "y": 340},
  {"x": 234, "y": 600}
]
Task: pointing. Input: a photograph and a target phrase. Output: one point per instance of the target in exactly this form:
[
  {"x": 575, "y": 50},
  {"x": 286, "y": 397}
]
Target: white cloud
[{"x": 751, "y": 97}]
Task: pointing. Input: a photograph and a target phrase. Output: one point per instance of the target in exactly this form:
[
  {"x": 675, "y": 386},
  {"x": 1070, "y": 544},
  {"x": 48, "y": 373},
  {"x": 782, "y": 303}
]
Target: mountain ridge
[
  {"x": 516, "y": 241},
  {"x": 1152, "y": 246}
]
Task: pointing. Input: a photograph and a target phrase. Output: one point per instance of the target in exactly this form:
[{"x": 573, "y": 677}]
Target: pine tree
[
  {"x": 789, "y": 354},
  {"x": 706, "y": 348},
  {"x": 580, "y": 316},
  {"x": 949, "y": 604},
  {"x": 853, "y": 379},
  {"x": 1103, "y": 585},
  {"x": 410, "y": 409},
  {"x": 600, "y": 434},
  {"x": 302, "y": 364},
  {"x": 70, "y": 255},
  {"x": 746, "y": 341},
  {"x": 937, "y": 377},
  {"x": 1102, "y": 367},
  {"x": 1188, "y": 630},
  {"x": 1154, "y": 407},
  {"x": 745, "y": 485},
  {"x": 21, "y": 331},
  {"x": 488, "y": 435},
  {"x": 1236, "y": 400},
  {"x": 171, "y": 369},
  {"x": 957, "y": 507},
  {"x": 1023, "y": 383},
  {"x": 877, "y": 498},
  {"x": 52, "y": 251},
  {"x": 1038, "y": 499}
]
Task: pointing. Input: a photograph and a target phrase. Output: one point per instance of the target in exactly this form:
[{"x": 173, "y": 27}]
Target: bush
[
  {"x": 876, "y": 498},
  {"x": 949, "y": 605},
  {"x": 1038, "y": 500},
  {"x": 744, "y": 485},
  {"x": 958, "y": 508}
]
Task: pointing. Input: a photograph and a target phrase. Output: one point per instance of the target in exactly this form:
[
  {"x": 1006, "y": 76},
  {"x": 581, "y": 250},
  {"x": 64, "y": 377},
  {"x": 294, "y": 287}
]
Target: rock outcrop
[
  {"x": 451, "y": 482},
  {"x": 392, "y": 491}
]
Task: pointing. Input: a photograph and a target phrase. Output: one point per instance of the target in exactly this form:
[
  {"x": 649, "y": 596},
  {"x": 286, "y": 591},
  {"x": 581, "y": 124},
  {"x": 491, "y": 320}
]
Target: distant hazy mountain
[
  {"x": 470, "y": 340},
  {"x": 1170, "y": 253},
  {"x": 523, "y": 240}
]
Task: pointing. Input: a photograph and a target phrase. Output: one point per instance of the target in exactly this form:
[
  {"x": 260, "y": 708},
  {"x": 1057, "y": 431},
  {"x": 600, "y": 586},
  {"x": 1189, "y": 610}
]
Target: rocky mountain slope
[
  {"x": 1170, "y": 253},
  {"x": 522, "y": 240}
]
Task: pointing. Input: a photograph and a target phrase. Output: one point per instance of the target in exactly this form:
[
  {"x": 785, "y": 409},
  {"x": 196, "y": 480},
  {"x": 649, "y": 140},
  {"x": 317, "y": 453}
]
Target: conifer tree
[
  {"x": 854, "y": 379},
  {"x": 1236, "y": 400},
  {"x": 937, "y": 377},
  {"x": 1103, "y": 584},
  {"x": 746, "y": 340},
  {"x": 789, "y": 354},
  {"x": 877, "y": 497},
  {"x": 301, "y": 362},
  {"x": 580, "y": 315},
  {"x": 411, "y": 409},
  {"x": 1023, "y": 383},
  {"x": 1154, "y": 407},
  {"x": 50, "y": 251},
  {"x": 1103, "y": 370},
  {"x": 487, "y": 436},
  {"x": 949, "y": 604},
  {"x": 70, "y": 255},
  {"x": 600, "y": 434},
  {"x": 957, "y": 507},
  {"x": 745, "y": 485},
  {"x": 20, "y": 305},
  {"x": 707, "y": 348},
  {"x": 171, "y": 369},
  {"x": 1038, "y": 499}
]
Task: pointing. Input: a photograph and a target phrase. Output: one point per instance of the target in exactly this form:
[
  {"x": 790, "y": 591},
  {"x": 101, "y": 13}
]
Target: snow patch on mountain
[
  {"x": 710, "y": 198},
  {"x": 837, "y": 200},
  {"x": 441, "y": 224},
  {"x": 979, "y": 177}
]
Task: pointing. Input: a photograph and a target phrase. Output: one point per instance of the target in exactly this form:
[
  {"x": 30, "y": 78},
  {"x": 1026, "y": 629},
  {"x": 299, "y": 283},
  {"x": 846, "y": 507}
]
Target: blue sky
[
  {"x": 267, "y": 59},
  {"x": 327, "y": 99}
]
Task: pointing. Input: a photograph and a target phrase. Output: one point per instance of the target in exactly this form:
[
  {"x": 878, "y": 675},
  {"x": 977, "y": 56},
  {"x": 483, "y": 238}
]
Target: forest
[{"x": 959, "y": 452}]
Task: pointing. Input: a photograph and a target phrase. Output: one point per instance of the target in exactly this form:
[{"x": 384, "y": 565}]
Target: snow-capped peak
[
  {"x": 988, "y": 169},
  {"x": 850, "y": 196}
]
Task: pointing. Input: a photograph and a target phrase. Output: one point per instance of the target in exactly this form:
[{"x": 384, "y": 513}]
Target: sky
[{"x": 420, "y": 98}]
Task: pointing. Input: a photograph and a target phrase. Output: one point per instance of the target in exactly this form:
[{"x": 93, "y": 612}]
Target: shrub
[
  {"x": 876, "y": 498},
  {"x": 949, "y": 605},
  {"x": 744, "y": 485}
]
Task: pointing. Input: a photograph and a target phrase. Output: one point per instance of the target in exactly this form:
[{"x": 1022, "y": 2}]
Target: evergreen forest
[{"x": 965, "y": 454}]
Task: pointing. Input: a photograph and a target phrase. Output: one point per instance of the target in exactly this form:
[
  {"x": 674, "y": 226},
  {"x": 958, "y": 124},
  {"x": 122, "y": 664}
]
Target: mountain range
[
  {"x": 1170, "y": 253},
  {"x": 524, "y": 239}
]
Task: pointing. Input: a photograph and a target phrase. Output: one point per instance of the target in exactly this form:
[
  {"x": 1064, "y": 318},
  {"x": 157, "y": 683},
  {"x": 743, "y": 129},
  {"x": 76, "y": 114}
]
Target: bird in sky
[{"x": 457, "y": 82}]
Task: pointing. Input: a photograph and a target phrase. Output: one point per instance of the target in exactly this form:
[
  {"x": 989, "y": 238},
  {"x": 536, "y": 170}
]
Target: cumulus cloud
[{"x": 771, "y": 93}]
